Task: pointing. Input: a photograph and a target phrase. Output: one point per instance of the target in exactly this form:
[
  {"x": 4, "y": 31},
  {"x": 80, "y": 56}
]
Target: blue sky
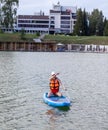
[{"x": 32, "y": 6}]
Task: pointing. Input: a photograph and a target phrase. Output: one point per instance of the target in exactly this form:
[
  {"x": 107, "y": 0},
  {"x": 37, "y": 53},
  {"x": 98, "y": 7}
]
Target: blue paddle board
[{"x": 56, "y": 101}]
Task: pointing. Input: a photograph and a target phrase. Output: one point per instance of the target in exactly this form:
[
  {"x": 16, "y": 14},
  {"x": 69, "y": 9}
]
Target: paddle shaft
[{"x": 67, "y": 94}]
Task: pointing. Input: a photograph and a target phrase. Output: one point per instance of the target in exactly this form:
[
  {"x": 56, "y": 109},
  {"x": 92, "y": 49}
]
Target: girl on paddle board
[{"x": 54, "y": 84}]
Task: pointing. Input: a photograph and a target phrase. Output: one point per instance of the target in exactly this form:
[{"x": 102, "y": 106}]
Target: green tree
[
  {"x": 104, "y": 23},
  {"x": 22, "y": 35},
  {"x": 96, "y": 22},
  {"x": 1, "y": 1},
  {"x": 82, "y": 25},
  {"x": 100, "y": 24},
  {"x": 85, "y": 24},
  {"x": 79, "y": 23},
  {"x": 106, "y": 29},
  {"x": 9, "y": 9}
]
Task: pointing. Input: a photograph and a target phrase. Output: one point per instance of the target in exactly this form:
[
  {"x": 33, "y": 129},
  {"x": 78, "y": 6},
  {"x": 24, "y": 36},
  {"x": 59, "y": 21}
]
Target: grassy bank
[
  {"x": 101, "y": 40},
  {"x": 16, "y": 37}
]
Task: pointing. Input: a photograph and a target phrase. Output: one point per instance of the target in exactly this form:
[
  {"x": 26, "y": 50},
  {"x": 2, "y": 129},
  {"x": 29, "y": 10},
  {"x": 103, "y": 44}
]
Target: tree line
[
  {"x": 8, "y": 12},
  {"x": 87, "y": 24}
]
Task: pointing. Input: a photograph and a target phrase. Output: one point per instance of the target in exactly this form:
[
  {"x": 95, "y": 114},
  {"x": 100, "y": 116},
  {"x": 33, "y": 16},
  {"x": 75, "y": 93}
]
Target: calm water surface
[{"x": 24, "y": 78}]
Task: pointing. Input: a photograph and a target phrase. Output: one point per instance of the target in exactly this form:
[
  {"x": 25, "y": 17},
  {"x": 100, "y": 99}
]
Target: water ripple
[{"x": 24, "y": 78}]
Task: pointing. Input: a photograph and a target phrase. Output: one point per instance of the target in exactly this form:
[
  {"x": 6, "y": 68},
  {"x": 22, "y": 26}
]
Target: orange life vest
[{"x": 54, "y": 85}]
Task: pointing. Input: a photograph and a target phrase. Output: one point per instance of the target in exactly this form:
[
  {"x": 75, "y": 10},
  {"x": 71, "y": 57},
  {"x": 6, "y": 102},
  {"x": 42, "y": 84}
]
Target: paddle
[
  {"x": 57, "y": 74},
  {"x": 67, "y": 94}
]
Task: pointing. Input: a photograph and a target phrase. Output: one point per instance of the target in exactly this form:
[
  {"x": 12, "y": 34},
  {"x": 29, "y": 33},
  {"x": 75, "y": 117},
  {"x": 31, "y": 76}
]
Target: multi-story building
[
  {"x": 33, "y": 23},
  {"x": 62, "y": 19}
]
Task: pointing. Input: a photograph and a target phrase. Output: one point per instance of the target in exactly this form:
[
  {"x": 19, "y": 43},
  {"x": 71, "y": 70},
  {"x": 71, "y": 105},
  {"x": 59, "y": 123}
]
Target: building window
[
  {"x": 52, "y": 17},
  {"x": 65, "y": 17},
  {"x": 74, "y": 15},
  {"x": 65, "y": 22},
  {"x": 65, "y": 26},
  {"x": 52, "y": 22}
]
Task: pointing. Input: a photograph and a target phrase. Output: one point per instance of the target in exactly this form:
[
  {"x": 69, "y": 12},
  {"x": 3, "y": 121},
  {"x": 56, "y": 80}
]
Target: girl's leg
[
  {"x": 59, "y": 94},
  {"x": 49, "y": 94}
]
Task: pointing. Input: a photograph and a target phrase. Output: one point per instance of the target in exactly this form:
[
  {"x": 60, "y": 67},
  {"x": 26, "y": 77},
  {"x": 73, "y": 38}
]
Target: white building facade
[
  {"x": 61, "y": 19},
  {"x": 33, "y": 23}
]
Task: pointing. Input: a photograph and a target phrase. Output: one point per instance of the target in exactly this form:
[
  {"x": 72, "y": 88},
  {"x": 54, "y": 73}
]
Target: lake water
[{"x": 24, "y": 77}]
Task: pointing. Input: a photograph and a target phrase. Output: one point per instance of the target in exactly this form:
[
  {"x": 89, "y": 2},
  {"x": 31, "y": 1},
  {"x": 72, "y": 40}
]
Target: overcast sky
[{"x": 32, "y": 6}]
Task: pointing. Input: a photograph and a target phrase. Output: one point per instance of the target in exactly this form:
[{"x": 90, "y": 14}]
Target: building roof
[
  {"x": 33, "y": 17},
  {"x": 54, "y": 11}
]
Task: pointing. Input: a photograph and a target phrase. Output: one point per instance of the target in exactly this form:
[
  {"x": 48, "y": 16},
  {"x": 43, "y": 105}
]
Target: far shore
[{"x": 65, "y": 39}]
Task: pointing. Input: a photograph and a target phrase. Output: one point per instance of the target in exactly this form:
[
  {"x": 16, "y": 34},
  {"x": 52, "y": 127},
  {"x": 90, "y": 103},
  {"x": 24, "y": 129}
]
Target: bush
[{"x": 22, "y": 36}]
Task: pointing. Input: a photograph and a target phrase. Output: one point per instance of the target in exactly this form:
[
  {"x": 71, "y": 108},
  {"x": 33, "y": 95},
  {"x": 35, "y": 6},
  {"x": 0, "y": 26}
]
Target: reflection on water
[
  {"x": 24, "y": 77},
  {"x": 64, "y": 108},
  {"x": 54, "y": 114}
]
